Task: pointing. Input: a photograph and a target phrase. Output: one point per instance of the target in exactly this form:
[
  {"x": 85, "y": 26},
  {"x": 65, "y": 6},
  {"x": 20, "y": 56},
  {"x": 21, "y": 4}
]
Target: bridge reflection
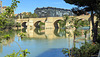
[
  {"x": 47, "y": 33},
  {"x": 42, "y": 33}
]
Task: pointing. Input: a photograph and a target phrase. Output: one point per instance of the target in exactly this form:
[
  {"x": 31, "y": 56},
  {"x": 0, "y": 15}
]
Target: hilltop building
[{"x": 52, "y": 12}]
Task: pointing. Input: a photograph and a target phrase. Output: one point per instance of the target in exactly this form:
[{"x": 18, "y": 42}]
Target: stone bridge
[{"x": 50, "y": 22}]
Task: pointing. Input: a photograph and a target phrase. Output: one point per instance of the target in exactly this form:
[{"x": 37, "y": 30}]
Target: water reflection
[
  {"x": 60, "y": 32},
  {"x": 39, "y": 41},
  {"x": 24, "y": 30},
  {"x": 46, "y": 33},
  {"x": 39, "y": 31},
  {"x": 55, "y": 33},
  {"x": 1, "y": 48},
  {"x": 6, "y": 41}
]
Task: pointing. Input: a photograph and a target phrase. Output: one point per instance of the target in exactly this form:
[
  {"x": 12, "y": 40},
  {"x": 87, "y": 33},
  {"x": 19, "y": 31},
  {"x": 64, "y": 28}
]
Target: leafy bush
[
  {"x": 18, "y": 24},
  {"x": 22, "y": 35},
  {"x": 21, "y": 53},
  {"x": 87, "y": 50},
  {"x": 7, "y": 36},
  {"x": 98, "y": 38}
]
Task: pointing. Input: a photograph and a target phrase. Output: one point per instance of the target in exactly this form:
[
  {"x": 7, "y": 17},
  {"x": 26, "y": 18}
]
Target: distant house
[{"x": 52, "y": 12}]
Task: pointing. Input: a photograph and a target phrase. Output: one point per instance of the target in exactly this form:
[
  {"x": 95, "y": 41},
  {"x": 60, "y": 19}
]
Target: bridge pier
[{"x": 49, "y": 25}]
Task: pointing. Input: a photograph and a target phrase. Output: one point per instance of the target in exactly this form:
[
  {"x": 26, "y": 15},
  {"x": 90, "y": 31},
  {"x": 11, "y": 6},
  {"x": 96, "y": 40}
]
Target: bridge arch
[
  {"x": 36, "y": 24},
  {"x": 24, "y": 24},
  {"x": 56, "y": 25}
]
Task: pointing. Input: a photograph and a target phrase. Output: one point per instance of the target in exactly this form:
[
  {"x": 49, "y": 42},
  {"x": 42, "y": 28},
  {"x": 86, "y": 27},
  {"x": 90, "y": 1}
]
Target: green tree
[
  {"x": 10, "y": 9},
  {"x": 78, "y": 11},
  {"x": 24, "y": 15},
  {"x": 3, "y": 21},
  {"x": 88, "y": 5},
  {"x": 4, "y": 17},
  {"x": 10, "y": 23},
  {"x": 30, "y": 15},
  {"x": 35, "y": 15}
]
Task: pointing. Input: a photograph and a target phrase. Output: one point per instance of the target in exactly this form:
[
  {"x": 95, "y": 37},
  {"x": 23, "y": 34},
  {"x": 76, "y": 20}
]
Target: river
[{"x": 41, "y": 43}]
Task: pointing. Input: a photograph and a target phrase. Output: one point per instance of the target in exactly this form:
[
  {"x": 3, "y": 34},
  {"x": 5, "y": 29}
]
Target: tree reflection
[
  {"x": 6, "y": 38},
  {"x": 39, "y": 31},
  {"x": 60, "y": 32},
  {"x": 24, "y": 30}
]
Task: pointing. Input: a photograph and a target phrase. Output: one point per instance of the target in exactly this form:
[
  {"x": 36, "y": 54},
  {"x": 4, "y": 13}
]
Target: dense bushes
[{"x": 86, "y": 50}]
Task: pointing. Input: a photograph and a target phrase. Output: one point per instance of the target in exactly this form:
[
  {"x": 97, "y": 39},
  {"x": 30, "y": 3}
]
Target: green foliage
[
  {"x": 62, "y": 23},
  {"x": 25, "y": 15},
  {"x": 76, "y": 25},
  {"x": 83, "y": 23},
  {"x": 18, "y": 24},
  {"x": 97, "y": 11},
  {"x": 7, "y": 33},
  {"x": 10, "y": 23},
  {"x": 72, "y": 26},
  {"x": 0, "y": 40},
  {"x": 29, "y": 15},
  {"x": 35, "y": 15},
  {"x": 78, "y": 11},
  {"x": 38, "y": 31},
  {"x": 65, "y": 17},
  {"x": 65, "y": 50},
  {"x": 5, "y": 22},
  {"x": 41, "y": 23},
  {"x": 86, "y": 50},
  {"x": 7, "y": 36},
  {"x": 88, "y": 5},
  {"x": 22, "y": 34},
  {"x": 3, "y": 37},
  {"x": 60, "y": 32},
  {"x": 21, "y": 53},
  {"x": 10, "y": 9},
  {"x": 98, "y": 37},
  {"x": 85, "y": 32},
  {"x": 77, "y": 33},
  {"x": 79, "y": 23}
]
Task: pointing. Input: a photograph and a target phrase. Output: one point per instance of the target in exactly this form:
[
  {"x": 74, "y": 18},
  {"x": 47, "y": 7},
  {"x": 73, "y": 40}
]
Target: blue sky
[{"x": 31, "y": 5}]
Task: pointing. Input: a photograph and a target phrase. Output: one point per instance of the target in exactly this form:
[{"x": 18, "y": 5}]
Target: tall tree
[
  {"x": 10, "y": 9},
  {"x": 30, "y": 14},
  {"x": 4, "y": 22},
  {"x": 35, "y": 15},
  {"x": 88, "y": 5},
  {"x": 79, "y": 11}
]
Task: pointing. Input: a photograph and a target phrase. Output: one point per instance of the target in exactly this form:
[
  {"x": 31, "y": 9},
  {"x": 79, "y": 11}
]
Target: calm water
[{"x": 41, "y": 43}]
